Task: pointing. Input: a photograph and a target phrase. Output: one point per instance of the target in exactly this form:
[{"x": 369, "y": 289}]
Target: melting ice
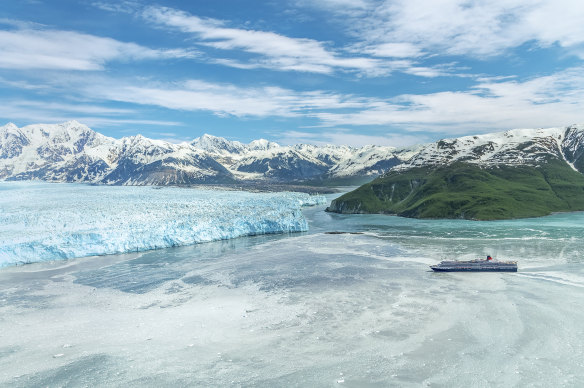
[{"x": 42, "y": 222}]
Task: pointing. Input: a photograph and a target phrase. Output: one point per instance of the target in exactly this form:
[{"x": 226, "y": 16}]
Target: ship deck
[{"x": 475, "y": 266}]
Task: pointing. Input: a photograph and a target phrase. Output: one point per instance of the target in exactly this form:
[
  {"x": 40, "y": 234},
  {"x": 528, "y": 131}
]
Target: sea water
[{"x": 358, "y": 308}]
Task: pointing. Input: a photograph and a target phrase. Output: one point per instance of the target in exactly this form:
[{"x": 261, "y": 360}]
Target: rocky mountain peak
[
  {"x": 9, "y": 127},
  {"x": 262, "y": 144},
  {"x": 513, "y": 147},
  {"x": 217, "y": 144},
  {"x": 72, "y": 151}
]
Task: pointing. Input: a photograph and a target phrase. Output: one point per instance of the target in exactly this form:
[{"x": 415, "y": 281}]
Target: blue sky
[{"x": 350, "y": 72}]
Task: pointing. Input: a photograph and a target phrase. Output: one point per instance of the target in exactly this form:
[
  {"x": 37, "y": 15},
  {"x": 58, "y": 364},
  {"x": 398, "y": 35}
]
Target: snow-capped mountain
[
  {"x": 514, "y": 147},
  {"x": 218, "y": 145},
  {"x": 72, "y": 152},
  {"x": 513, "y": 174},
  {"x": 372, "y": 160},
  {"x": 40, "y": 148}
]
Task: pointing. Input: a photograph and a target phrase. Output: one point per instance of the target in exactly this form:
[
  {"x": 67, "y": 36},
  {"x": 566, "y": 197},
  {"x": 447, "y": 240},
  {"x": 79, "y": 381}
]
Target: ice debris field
[{"x": 42, "y": 222}]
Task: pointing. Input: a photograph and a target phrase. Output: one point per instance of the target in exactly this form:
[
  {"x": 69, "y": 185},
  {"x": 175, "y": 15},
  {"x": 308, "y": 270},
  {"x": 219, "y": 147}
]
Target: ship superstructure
[{"x": 488, "y": 265}]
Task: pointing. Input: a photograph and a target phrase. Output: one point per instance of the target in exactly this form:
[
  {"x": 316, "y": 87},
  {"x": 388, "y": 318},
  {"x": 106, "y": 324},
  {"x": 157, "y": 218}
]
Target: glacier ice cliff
[{"x": 43, "y": 222}]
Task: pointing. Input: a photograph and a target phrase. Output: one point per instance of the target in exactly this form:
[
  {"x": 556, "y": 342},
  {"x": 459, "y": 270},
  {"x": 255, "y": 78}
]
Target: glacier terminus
[{"x": 44, "y": 222}]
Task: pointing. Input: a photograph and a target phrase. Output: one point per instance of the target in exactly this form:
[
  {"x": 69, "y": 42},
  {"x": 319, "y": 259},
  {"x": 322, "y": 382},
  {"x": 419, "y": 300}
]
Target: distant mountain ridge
[
  {"x": 514, "y": 147},
  {"x": 513, "y": 174},
  {"x": 72, "y": 152}
]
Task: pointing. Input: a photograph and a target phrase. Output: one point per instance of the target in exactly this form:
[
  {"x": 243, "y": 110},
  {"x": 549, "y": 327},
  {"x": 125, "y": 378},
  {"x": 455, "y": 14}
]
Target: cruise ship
[{"x": 488, "y": 265}]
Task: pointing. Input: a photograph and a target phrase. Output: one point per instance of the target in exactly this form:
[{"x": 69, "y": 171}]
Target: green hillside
[{"x": 468, "y": 191}]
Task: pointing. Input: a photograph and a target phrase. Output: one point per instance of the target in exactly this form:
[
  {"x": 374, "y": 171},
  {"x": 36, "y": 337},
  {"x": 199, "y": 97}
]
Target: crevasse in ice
[{"x": 41, "y": 222}]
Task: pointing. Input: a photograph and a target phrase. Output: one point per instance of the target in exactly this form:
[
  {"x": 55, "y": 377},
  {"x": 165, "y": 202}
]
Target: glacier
[{"x": 44, "y": 221}]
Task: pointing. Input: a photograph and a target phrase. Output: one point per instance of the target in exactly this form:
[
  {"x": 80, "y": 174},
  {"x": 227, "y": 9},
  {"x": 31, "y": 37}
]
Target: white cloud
[
  {"x": 107, "y": 122},
  {"x": 344, "y": 8},
  {"x": 272, "y": 50},
  {"x": 393, "y": 50},
  {"x": 22, "y": 84},
  {"x": 337, "y": 4},
  {"x": 31, "y": 111},
  {"x": 548, "y": 101},
  {"x": 492, "y": 104},
  {"x": 32, "y": 105},
  {"x": 220, "y": 99},
  {"x": 68, "y": 50},
  {"x": 118, "y": 6},
  {"x": 478, "y": 28},
  {"x": 425, "y": 71}
]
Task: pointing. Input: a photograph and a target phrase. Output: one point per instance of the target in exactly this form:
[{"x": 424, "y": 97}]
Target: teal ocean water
[{"x": 356, "y": 309}]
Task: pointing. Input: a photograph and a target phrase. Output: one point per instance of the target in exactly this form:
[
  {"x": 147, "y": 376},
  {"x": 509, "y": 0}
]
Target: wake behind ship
[{"x": 488, "y": 265}]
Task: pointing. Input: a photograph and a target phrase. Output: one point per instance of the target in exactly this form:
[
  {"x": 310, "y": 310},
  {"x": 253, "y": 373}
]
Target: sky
[{"x": 351, "y": 72}]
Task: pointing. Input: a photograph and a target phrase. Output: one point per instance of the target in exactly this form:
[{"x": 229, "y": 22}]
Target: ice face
[{"x": 42, "y": 222}]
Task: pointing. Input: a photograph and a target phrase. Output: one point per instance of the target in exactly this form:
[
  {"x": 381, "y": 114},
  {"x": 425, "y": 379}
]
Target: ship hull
[
  {"x": 475, "y": 266},
  {"x": 438, "y": 269}
]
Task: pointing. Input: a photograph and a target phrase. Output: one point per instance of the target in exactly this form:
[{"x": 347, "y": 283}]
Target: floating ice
[{"x": 42, "y": 222}]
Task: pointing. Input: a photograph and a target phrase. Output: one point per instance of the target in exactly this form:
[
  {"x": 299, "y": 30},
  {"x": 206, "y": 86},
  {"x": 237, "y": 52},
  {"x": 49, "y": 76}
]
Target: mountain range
[
  {"x": 513, "y": 174},
  {"x": 72, "y": 152}
]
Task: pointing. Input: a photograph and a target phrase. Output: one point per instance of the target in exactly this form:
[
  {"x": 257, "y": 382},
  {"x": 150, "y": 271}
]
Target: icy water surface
[{"x": 308, "y": 309}]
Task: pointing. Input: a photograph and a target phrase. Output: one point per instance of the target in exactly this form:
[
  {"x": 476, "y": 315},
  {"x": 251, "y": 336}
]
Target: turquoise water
[
  {"x": 308, "y": 309},
  {"x": 535, "y": 241}
]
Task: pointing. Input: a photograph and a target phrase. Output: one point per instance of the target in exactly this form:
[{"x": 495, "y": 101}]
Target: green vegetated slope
[{"x": 464, "y": 190}]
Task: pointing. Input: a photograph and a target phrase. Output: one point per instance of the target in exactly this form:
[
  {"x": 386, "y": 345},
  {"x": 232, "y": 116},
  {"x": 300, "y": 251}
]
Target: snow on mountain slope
[
  {"x": 306, "y": 161},
  {"x": 282, "y": 163},
  {"x": 218, "y": 145},
  {"x": 371, "y": 160},
  {"x": 71, "y": 152},
  {"x": 264, "y": 159},
  {"x": 262, "y": 144},
  {"x": 37, "y": 146},
  {"x": 137, "y": 160},
  {"x": 573, "y": 147},
  {"x": 12, "y": 140},
  {"x": 513, "y": 147},
  {"x": 329, "y": 154}
]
